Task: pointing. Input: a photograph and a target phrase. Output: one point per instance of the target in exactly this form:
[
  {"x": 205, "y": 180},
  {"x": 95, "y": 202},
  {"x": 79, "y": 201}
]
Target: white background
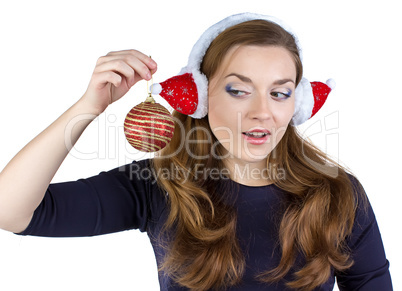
[{"x": 48, "y": 51}]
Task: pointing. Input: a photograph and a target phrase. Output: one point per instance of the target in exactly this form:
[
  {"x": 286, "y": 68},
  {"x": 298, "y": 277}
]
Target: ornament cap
[{"x": 150, "y": 99}]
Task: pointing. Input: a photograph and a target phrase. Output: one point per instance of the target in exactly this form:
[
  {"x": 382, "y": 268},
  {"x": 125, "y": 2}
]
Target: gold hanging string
[{"x": 150, "y": 98}]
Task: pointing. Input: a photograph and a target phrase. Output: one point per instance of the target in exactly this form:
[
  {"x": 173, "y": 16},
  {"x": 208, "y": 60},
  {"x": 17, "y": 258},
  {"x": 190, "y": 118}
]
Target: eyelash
[
  {"x": 286, "y": 95},
  {"x": 235, "y": 93}
]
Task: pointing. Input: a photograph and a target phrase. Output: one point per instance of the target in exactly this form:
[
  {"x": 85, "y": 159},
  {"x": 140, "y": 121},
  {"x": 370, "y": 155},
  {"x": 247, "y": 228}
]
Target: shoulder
[
  {"x": 361, "y": 200},
  {"x": 364, "y": 219},
  {"x": 370, "y": 268},
  {"x": 137, "y": 170},
  {"x": 141, "y": 177},
  {"x": 139, "y": 174}
]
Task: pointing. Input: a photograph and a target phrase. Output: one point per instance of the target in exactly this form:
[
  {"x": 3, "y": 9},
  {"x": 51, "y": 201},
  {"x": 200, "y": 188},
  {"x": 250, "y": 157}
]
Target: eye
[
  {"x": 281, "y": 95},
  {"x": 235, "y": 92}
]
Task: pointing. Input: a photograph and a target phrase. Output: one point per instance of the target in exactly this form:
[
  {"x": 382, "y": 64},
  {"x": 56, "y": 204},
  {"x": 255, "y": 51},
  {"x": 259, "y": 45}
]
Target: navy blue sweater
[{"x": 129, "y": 198}]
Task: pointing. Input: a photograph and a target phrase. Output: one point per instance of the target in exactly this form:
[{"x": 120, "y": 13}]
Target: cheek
[
  {"x": 218, "y": 110},
  {"x": 223, "y": 120},
  {"x": 219, "y": 121},
  {"x": 213, "y": 114},
  {"x": 284, "y": 115}
]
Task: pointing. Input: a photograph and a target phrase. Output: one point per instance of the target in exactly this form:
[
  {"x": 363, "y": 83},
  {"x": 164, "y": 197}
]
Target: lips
[
  {"x": 257, "y": 136},
  {"x": 257, "y": 133}
]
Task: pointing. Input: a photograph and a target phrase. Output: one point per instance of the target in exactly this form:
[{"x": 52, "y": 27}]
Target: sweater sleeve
[
  {"x": 121, "y": 199},
  {"x": 370, "y": 270}
]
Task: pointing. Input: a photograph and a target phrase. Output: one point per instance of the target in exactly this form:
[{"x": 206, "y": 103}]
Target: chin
[
  {"x": 255, "y": 156},
  {"x": 254, "y": 160}
]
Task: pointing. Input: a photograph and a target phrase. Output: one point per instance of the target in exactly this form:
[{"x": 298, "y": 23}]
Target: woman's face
[{"x": 253, "y": 90}]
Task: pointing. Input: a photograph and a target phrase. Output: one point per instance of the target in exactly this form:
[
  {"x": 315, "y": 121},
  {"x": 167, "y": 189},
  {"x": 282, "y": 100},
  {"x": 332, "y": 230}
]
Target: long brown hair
[{"x": 203, "y": 252}]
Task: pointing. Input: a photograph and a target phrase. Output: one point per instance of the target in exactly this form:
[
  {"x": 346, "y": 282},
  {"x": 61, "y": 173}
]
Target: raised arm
[{"x": 23, "y": 182}]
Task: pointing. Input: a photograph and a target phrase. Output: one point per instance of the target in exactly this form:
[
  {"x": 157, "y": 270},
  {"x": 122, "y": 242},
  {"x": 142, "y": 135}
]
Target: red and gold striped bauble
[{"x": 149, "y": 126}]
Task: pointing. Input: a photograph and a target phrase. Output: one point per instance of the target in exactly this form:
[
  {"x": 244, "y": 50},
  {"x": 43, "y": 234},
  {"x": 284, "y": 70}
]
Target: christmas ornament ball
[{"x": 149, "y": 127}]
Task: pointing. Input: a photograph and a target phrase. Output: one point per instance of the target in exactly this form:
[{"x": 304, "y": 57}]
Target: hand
[{"x": 114, "y": 75}]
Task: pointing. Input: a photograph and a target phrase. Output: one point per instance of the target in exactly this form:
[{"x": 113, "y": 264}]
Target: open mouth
[
  {"x": 256, "y": 137},
  {"x": 256, "y": 134}
]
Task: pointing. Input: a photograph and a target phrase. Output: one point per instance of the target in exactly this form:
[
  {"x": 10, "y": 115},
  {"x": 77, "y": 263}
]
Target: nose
[{"x": 259, "y": 107}]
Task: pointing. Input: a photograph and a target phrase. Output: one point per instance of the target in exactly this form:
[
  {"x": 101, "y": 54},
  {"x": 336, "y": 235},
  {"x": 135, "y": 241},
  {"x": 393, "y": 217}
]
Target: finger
[
  {"x": 130, "y": 55},
  {"x": 133, "y": 52},
  {"x": 146, "y": 59},
  {"x": 118, "y": 66},
  {"x": 122, "y": 63},
  {"x": 140, "y": 66},
  {"x": 103, "y": 78}
]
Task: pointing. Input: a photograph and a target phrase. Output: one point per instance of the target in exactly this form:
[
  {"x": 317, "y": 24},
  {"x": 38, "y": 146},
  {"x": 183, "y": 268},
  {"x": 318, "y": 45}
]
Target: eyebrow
[
  {"x": 248, "y": 80},
  {"x": 241, "y": 77}
]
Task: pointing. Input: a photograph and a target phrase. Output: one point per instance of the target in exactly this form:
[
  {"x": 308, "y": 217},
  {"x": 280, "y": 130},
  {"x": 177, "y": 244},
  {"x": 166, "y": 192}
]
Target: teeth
[{"x": 256, "y": 134}]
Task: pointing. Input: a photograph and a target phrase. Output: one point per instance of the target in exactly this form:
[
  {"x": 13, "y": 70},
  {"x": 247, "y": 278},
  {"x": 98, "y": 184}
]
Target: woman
[{"x": 238, "y": 210}]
